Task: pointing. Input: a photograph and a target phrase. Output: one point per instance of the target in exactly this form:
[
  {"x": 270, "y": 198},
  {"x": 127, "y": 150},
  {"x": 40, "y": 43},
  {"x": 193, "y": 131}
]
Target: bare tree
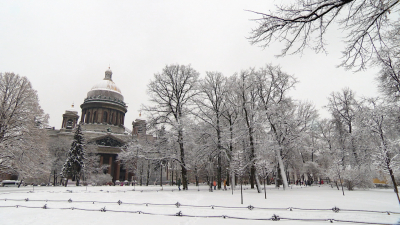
[
  {"x": 342, "y": 106},
  {"x": 58, "y": 149},
  {"x": 171, "y": 92},
  {"x": 212, "y": 105},
  {"x": 272, "y": 87},
  {"x": 247, "y": 92},
  {"x": 304, "y": 24},
  {"x": 388, "y": 60},
  {"x": 23, "y": 148},
  {"x": 232, "y": 119},
  {"x": 92, "y": 171},
  {"x": 381, "y": 122},
  {"x": 131, "y": 157}
]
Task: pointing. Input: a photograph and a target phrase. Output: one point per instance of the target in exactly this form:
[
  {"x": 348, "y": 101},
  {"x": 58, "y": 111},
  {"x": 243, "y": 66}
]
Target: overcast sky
[{"x": 64, "y": 48}]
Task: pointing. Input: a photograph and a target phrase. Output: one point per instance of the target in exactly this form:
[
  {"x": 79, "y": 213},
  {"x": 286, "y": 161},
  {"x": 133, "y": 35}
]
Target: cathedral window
[{"x": 69, "y": 124}]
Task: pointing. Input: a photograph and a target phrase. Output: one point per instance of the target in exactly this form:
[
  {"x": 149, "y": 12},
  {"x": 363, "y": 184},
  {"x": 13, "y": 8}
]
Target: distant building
[{"x": 102, "y": 122}]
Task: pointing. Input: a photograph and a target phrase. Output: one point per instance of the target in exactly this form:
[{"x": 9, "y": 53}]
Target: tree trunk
[
  {"x": 172, "y": 175},
  {"x": 252, "y": 156},
  {"x": 265, "y": 189},
  {"x": 341, "y": 183},
  {"x": 219, "y": 171},
  {"x": 277, "y": 177},
  {"x": 183, "y": 165},
  {"x": 394, "y": 184},
  {"x": 233, "y": 182},
  {"x": 227, "y": 178},
  {"x": 219, "y": 175},
  {"x": 55, "y": 178},
  {"x": 161, "y": 175},
  {"x": 387, "y": 161},
  {"x": 230, "y": 151},
  {"x": 20, "y": 183},
  {"x": 282, "y": 168},
  {"x": 141, "y": 174},
  {"x": 258, "y": 185},
  {"x": 241, "y": 191},
  {"x": 196, "y": 176},
  {"x": 148, "y": 173},
  {"x": 252, "y": 151}
]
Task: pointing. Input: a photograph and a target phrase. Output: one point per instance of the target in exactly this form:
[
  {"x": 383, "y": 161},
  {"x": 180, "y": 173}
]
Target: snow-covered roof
[{"x": 107, "y": 85}]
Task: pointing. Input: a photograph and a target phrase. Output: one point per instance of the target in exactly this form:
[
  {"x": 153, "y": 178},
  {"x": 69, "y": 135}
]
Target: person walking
[
  {"x": 215, "y": 185},
  {"x": 225, "y": 185},
  {"x": 179, "y": 183}
]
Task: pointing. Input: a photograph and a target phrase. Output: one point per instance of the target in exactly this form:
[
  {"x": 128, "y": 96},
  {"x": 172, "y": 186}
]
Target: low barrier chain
[
  {"x": 180, "y": 214},
  {"x": 178, "y": 205}
]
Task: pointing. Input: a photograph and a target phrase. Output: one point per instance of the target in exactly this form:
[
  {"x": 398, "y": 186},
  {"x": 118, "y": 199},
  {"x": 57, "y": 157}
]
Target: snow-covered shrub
[
  {"x": 311, "y": 169},
  {"x": 360, "y": 177},
  {"x": 100, "y": 179}
]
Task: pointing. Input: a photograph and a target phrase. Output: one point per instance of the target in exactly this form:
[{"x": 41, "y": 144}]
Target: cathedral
[{"x": 102, "y": 122}]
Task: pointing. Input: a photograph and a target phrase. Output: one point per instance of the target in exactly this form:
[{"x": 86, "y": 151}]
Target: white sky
[{"x": 64, "y": 48}]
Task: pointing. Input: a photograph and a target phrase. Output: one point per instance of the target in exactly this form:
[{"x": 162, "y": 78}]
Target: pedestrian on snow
[
  {"x": 225, "y": 185},
  {"x": 215, "y": 185},
  {"x": 179, "y": 183}
]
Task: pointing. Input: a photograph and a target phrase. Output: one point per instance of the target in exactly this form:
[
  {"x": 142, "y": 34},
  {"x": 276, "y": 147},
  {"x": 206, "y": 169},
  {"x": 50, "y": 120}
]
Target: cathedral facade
[{"x": 102, "y": 122}]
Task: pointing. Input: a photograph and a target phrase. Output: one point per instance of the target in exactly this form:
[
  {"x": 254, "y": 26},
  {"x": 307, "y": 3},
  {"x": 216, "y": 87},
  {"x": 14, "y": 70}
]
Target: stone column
[
  {"x": 90, "y": 119},
  {"x": 118, "y": 170},
  {"x": 100, "y": 116},
  {"x": 83, "y": 116},
  {"x": 109, "y": 165},
  {"x": 109, "y": 116}
]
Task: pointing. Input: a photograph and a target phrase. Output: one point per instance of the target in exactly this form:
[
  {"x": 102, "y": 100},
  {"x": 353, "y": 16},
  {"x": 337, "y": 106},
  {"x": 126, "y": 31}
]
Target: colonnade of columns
[
  {"x": 117, "y": 168},
  {"x": 102, "y": 115}
]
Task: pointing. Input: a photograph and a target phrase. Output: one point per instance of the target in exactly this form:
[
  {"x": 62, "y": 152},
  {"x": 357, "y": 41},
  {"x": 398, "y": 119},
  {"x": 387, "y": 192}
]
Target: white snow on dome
[
  {"x": 106, "y": 85},
  {"x": 72, "y": 109}
]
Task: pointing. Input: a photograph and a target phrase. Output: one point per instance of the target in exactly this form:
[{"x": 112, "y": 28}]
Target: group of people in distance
[
  {"x": 307, "y": 182},
  {"x": 212, "y": 184}
]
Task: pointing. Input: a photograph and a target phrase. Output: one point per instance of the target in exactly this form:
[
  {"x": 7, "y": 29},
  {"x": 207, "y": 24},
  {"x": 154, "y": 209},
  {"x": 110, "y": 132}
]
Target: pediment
[{"x": 108, "y": 140}]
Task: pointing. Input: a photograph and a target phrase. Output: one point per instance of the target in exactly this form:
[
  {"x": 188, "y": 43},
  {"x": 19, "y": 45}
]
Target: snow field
[{"x": 60, "y": 212}]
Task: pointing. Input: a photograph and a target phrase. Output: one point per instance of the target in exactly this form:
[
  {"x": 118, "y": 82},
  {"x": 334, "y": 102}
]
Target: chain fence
[
  {"x": 178, "y": 205},
  {"x": 180, "y": 214}
]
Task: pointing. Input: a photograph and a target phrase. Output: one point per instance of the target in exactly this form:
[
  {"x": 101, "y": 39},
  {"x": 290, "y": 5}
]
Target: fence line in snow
[
  {"x": 180, "y": 214},
  {"x": 178, "y": 205}
]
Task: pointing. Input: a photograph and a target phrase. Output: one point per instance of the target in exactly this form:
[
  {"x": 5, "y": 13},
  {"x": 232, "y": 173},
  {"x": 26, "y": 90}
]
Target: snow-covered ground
[{"x": 107, "y": 197}]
